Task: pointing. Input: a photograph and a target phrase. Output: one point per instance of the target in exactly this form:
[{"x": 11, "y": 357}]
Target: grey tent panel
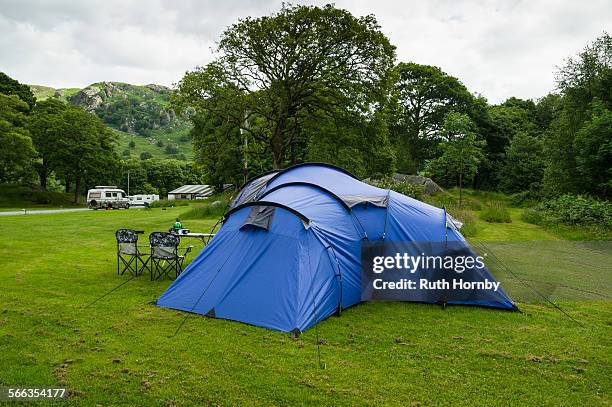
[
  {"x": 260, "y": 217},
  {"x": 251, "y": 190},
  {"x": 353, "y": 200}
]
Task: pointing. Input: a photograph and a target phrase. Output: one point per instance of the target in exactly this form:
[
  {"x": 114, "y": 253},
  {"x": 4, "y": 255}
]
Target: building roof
[{"x": 193, "y": 189}]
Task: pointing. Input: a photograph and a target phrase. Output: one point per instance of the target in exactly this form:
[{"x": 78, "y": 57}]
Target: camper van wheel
[{"x": 93, "y": 204}]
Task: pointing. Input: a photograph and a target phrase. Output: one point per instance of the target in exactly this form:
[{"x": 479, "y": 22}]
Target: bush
[
  {"x": 470, "y": 223},
  {"x": 168, "y": 203},
  {"x": 214, "y": 210},
  {"x": 495, "y": 212},
  {"x": 132, "y": 144},
  {"x": 160, "y": 143},
  {"x": 577, "y": 210},
  {"x": 171, "y": 149},
  {"x": 145, "y": 155},
  {"x": 533, "y": 216},
  {"x": 525, "y": 198},
  {"x": 412, "y": 190}
]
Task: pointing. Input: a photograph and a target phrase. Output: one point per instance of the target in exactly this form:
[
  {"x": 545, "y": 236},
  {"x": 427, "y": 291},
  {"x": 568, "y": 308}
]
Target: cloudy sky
[{"x": 497, "y": 48}]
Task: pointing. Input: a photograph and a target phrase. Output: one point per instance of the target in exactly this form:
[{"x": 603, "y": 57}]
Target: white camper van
[
  {"x": 142, "y": 200},
  {"x": 107, "y": 197}
]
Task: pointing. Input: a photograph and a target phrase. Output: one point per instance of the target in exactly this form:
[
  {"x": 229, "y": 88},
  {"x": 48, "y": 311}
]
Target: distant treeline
[
  {"x": 53, "y": 143},
  {"x": 319, "y": 84}
]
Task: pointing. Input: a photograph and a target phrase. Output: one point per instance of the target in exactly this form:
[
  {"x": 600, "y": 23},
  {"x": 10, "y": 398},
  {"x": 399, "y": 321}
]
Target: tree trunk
[
  {"x": 67, "y": 183},
  {"x": 43, "y": 174},
  {"x": 276, "y": 145},
  {"x": 77, "y": 189}
]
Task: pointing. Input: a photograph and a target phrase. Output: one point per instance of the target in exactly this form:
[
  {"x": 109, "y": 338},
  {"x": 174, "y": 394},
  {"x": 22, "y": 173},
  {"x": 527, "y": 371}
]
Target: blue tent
[{"x": 288, "y": 254}]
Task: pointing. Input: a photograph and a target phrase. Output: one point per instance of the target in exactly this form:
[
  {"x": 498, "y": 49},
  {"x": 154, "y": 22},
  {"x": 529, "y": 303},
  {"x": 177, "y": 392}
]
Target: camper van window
[
  {"x": 94, "y": 195},
  {"x": 123, "y": 195},
  {"x": 139, "y": 198},
  {"x": 108, "y": 195}
]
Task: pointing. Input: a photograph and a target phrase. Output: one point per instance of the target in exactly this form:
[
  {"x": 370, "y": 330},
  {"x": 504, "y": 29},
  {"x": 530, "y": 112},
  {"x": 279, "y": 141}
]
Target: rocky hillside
[{"x": 142, "y": 116}]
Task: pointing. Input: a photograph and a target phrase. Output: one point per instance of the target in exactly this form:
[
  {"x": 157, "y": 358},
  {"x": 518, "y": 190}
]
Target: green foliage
[
  {"x": 593, "y": 146},
  {"x": 495, "y": 212},
  {"x": 502, "y": 124},
  {"x": 145, "y": 155},
  {"x": 274, "y": 71},
  {"x": 18, "y": 197},
  {"x": 576, "y": 210},
  {"x": 214, "y": 208},
  {"x": 524, "y": 165},
  {"x": 149, "y": 189},
  {"x": 575, "y": 161},
  {"x": 168, "y": 203},
  {"x": 16, "y": 152},
  {"x": 88, "y": 150},
  {"x": 159, "y": 143},
  {"x": 171, "y": 149},
  {"x": 470, "y": 223},
  {"x": 48, "y": 126},
  {"x": 525, "y": 198},
  {"x": 9, "y": 86},
  {"x": 533, "y": 216},
  {"x": 132, "y": 144},
  {"x": 154, "y": 176},
  {"x": 421, "y": 98},
  {"x": 461, "y": 152},
  {"x": 220, "y": 150},
  {"x": 357, "y": 143},
  {"x": 412, "y": 190}
]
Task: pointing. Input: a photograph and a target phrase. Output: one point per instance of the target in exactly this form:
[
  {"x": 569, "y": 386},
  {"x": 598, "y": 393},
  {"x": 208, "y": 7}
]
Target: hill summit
[{"x": 133, "y": 111}]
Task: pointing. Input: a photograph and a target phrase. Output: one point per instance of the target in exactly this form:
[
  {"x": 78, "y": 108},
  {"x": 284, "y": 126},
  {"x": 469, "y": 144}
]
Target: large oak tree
[{"x": 288, "y": 67}]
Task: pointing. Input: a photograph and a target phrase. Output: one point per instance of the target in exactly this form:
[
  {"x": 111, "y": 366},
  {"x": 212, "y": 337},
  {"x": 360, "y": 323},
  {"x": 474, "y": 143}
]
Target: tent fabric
[{"x": 288, "y": 254}]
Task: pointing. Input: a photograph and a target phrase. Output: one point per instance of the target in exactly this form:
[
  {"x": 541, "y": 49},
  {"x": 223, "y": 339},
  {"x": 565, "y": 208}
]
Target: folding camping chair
[
  {"x": 128, "y": 252},
  {"x": 165, "y": 256}
]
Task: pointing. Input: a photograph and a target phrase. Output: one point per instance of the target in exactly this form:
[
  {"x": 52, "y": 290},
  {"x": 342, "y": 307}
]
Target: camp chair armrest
[{"x": 186, "y": 249}]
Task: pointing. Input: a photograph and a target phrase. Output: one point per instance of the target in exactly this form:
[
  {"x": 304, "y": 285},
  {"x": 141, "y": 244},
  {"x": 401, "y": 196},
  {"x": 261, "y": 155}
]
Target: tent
[{"x": 288, "y": 254}]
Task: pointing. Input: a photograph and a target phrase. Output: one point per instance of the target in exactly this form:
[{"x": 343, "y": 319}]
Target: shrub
[
  {"x": 533, "y": 216},
  {"x": 470, "y": 223},
  {"x": 412, "y": 190},
  {"x": 168, "y": 203},
  {"x": 495, "y": 212},
  {"x": 145, "y": 155},
  {"x": 525, "y": 198},
  {"x": 171, "y": 149},
  {"x": 132, "y": 144},
  {"x": 214, "y": 209},
  {"x": 577, "y": 210}
]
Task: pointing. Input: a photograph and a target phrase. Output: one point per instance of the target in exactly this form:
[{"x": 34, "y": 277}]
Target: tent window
[{"x": 259, "y": 217}]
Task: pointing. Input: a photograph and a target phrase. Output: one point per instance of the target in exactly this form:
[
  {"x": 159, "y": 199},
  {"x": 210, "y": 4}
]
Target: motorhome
[
  {"x": 142, "y": 200},
  {"x": 107, "y": 197}
]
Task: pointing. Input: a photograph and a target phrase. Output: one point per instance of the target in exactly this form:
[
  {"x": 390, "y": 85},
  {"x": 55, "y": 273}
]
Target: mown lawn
[{"x": 123, "y": 349}]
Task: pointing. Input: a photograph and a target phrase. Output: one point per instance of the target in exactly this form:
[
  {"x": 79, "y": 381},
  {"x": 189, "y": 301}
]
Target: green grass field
[{"x": 123, "y": 349}]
